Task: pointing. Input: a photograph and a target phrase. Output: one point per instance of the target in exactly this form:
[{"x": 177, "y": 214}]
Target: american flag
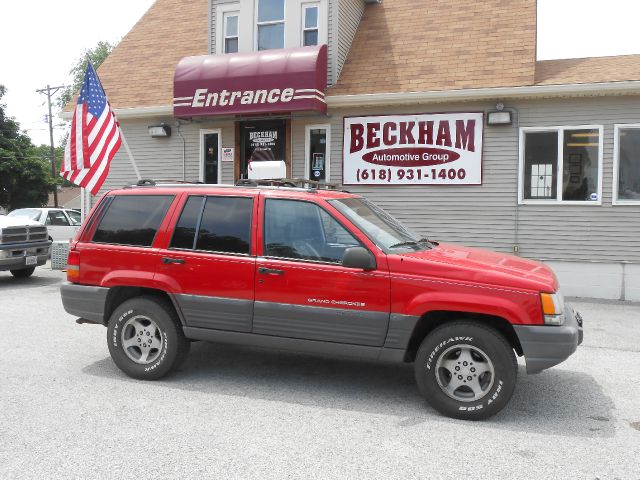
[{"x": 94, "y": 138}]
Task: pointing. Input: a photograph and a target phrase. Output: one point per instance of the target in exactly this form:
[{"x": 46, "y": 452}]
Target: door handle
[
  {"x": 270, "y": 271},
  {"x": 167, "y": 260}
]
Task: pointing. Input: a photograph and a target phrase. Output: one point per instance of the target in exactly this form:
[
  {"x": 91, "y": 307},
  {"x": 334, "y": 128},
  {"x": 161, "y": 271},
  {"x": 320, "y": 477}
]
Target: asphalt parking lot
[{"x": 67, "y": 412}]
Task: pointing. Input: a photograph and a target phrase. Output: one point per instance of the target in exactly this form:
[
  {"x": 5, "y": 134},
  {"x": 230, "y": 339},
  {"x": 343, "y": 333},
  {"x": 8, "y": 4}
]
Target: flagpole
[
  {"x": 124, "y": 140},
  {"x": 131, "y": 159}
]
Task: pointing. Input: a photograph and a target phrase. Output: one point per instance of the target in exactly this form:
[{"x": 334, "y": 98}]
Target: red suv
[{"x": 315, "y": 270}]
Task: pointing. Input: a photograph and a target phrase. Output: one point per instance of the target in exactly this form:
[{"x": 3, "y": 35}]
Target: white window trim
[
  {"x": 560, "y": 130},
  {"x": 307, "y": 150},
  {"x": 225, "y": 37},
  {"x": 221, "y": 10},
  {"x": 303, "y": 28},
  {"x": 204, "y": 132},
  {"x": 271, "y": 22},
  {"x": 616, "y": 162}
]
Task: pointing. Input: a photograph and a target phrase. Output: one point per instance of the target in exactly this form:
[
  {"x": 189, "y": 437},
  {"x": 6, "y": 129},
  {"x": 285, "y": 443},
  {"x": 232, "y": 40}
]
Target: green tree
[
  {"x": 24, "y": 180},
  {"x": 97, "y": 54},
  {"x": 43, "y": 152}
]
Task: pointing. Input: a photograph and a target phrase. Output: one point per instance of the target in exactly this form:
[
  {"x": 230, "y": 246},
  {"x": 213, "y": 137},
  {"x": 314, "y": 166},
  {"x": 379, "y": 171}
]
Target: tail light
[{"x": 73, "y": 266}]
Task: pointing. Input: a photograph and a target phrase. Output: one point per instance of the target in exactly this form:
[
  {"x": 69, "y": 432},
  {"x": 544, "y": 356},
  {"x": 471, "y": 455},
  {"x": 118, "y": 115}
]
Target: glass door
[{"x": 210, "y": 158}]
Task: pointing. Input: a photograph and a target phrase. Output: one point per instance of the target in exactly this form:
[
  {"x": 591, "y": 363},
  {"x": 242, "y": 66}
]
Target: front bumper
[
  {"x": 14, "y": 256},
  {"x": 547, "y": 345}
]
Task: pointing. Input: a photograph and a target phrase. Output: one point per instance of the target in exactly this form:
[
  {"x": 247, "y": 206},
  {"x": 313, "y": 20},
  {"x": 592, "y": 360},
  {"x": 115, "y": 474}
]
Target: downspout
[{"x": 184, "y": 150}]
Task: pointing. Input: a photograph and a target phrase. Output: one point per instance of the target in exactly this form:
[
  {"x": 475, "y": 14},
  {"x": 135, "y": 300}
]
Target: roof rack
[{"x": 296, "y": 183}]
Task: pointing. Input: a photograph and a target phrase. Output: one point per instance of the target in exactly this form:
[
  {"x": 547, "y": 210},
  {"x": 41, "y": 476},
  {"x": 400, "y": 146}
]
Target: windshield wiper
[
  {"x": 408, "y": 243},
  {"x": 414, "y": 243}
]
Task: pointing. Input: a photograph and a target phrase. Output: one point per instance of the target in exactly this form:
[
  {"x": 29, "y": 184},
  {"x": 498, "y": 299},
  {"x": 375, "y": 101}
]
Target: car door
[
  {"x": 58, "y": 226},
  {"x": 209, "y": 262},
  {"x": 302, "y": 289}
]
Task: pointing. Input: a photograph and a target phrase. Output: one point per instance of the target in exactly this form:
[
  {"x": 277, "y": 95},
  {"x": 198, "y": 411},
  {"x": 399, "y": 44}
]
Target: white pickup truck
[{"x": 24, "y": 244}]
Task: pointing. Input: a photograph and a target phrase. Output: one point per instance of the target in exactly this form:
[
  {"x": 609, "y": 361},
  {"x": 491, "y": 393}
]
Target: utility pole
[{"x": 50, "y": 91}]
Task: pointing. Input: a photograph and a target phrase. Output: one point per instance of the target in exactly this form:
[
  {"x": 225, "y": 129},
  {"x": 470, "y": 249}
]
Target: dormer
[{"x": 252, "y": 25}]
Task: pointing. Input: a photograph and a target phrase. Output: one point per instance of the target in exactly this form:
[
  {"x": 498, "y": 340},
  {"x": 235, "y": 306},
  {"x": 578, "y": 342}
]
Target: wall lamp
[
  {"x": 159, "y": 131},
  {"x": 499, "y": 116}
]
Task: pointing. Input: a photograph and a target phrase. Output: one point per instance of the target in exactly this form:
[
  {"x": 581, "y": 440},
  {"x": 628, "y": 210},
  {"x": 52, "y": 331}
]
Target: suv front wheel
[
  {"x": 145, "y": 338},
  {"x": 466, "y": 370}
]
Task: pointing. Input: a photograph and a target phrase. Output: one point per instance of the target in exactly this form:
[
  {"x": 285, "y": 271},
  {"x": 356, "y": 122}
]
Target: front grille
[
  {"x": 23, "y": 234},
  {"x": 14, "y": 234},
  {"x": 37, "y": 234}
]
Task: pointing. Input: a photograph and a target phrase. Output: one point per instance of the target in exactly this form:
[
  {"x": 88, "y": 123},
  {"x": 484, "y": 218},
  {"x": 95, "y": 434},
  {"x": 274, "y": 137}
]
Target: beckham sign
[{"x": 429, "y": 149}]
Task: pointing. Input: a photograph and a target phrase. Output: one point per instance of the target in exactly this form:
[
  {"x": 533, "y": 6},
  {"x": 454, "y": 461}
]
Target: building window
[
  {"x": 317, "y": 141},
  {"x": 310, "y": 25},
  {"x": 231, "y": 32},
  {"x": 270, "y": 23},
  {"x": 626, "y": 178},
  {"x": 561, "y": 164}
]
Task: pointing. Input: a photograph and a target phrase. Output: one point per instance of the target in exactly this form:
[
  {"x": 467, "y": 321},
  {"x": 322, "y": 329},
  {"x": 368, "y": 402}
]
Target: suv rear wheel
[
  {"x": 466, "y": 370},
  {"x": 145, "y": 338}
]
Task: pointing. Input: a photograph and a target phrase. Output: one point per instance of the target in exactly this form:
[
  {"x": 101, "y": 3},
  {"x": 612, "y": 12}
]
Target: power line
[{"x": 50, "y": 91}]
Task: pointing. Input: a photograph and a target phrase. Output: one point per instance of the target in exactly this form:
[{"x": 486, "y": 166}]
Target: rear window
[
  {"x": 220, "y": 224},
  {"x": 132, "y": 219}
]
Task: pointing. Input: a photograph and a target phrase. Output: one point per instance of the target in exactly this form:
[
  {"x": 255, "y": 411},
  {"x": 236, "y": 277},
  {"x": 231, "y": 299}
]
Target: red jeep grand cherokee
[{"x": 314, "y": 270}]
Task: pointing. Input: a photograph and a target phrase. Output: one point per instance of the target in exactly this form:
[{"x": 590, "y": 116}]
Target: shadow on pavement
[
  {"x": 8, "y": 282},
  {"x": 557, "y": 402}
]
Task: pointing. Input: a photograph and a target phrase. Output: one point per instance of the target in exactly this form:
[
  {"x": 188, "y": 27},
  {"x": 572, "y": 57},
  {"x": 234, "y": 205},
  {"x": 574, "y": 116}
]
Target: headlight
[{"x": 552, "y": 308}]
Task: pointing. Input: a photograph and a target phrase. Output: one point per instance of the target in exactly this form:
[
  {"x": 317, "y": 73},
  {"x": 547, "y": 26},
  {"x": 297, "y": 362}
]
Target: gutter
[
  {"x": 572, "y": 90},
  {"x": 136, "y": 112},
  {"x": 630, "y": 87}
]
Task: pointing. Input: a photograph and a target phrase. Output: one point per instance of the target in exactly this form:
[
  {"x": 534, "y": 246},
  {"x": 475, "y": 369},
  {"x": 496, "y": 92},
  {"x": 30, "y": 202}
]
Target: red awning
[{"x": 284, "y": 80}]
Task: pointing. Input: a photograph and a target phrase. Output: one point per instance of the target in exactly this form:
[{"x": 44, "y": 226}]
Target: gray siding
[
  {"x": 349, "y": 14},
  {"x": 161, "y": 158},
  {"x": 488, "y": 215}
]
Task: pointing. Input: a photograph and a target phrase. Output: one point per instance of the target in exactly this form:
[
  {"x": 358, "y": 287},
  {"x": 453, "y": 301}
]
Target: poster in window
[
  {"x": 262, "y": 141},
  {"x": 317, "y": 165}
]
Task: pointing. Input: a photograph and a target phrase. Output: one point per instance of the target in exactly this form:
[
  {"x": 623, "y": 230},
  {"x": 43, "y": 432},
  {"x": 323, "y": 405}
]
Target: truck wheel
[
  {"x": 466, "y": 370},
  {"x": 23, "y": 272},
  {"x": 145, "y": 338}
]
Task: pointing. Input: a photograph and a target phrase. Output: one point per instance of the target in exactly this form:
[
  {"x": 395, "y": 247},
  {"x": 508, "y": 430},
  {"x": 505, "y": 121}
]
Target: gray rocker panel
[
  {"x": 216, "y": 312},
  {"x": 319, "y": 323},
  {"x": 296, "y": 344}
]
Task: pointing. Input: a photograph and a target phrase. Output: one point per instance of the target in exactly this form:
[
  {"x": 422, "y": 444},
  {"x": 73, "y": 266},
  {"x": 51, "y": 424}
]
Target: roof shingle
[
  {"x": 588, "y": 70},
  {"x": 418, "y": 45}
]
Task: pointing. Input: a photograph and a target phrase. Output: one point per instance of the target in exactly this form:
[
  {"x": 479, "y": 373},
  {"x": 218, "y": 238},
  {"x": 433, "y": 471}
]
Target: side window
[
  {"x": 56, "y": 218},
  {"x": 215, "y": 224},
  {"x": 185, "y": 232},
  {"x": 230, "y": 32},
  {"x": 76, "y": 218},
  {"x": 132, "y": 220},
  {"x": 310, "y": 25},
  {"x": 297, "y": 229},
  {"x": 562, "y": 164}
]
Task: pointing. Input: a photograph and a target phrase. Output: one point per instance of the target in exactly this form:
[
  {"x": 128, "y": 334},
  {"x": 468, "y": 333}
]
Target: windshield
[
  {"x": 381, "y": 228},
  {"x": 30, "y": 213}
]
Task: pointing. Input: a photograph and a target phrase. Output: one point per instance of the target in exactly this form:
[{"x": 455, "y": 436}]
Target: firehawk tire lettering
[
  {"x": 459, "y": 402},
  {"x": 174, "y": 347}
]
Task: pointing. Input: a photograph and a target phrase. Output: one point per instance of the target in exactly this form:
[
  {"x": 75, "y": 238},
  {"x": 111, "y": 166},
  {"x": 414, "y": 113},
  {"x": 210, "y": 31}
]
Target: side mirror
[{"x": 358, "y": 257}]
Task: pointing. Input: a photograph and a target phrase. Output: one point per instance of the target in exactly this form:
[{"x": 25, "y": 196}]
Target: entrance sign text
[{"x": 428, "y": 149}]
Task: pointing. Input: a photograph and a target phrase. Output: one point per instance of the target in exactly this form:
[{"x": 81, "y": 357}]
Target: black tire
[
  {"x": 23, "y": 272},
  {"x": 126, "y": 319},
  {"x": 493, "y": 390}
]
